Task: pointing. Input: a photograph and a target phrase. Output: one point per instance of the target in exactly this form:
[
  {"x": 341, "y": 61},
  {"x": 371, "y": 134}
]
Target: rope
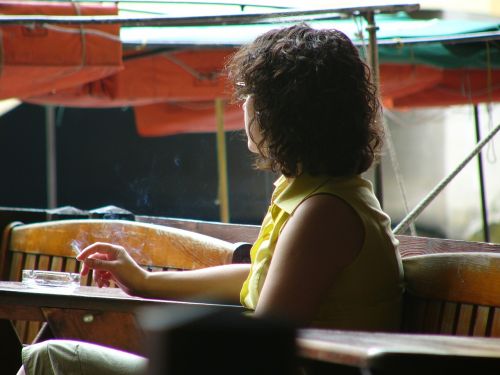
[
  {"x": 82, "y": 35},
  {"x": 491, "y": 155},
  {"x": 86, "y": 31},
  {"x": 397, "y": 173},
  {"x": 211, "y": 76},
  {"x": 489, "y": 78},
  {"x": 403, "y": 225},
  {"x": 490, "y": 152},
  {"x": 358, "y": 21},
  {"x": 387, "y": 133}
]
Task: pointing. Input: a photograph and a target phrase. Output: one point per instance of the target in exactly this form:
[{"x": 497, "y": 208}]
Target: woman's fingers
[
  {"x": 102, "y": 278},
  {"x": 87, "y": 263},
  {"x": 99, "y": 255},
  {"x": 110, "y": 262},
  {"x": 100, "y": 247},
  {"x": 99, "y": 263},
  {"x": 102, "y": 282}
]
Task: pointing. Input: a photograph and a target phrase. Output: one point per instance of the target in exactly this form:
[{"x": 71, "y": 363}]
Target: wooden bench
[
  {"x": 453, "y": 294},
  {"x": 53, "y": 245},
  {"x": 452, "y": 286}
]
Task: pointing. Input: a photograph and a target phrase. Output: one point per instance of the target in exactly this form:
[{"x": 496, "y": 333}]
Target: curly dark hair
[{"x": 313, "y": 100}]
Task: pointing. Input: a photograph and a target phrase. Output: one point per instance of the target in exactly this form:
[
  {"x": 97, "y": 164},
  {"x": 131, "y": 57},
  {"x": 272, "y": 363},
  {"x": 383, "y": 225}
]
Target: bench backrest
[
  {"x": 453, "y": 293},
  {"x": 435, "y": 301},
  {"x": 54, "y": 244}
]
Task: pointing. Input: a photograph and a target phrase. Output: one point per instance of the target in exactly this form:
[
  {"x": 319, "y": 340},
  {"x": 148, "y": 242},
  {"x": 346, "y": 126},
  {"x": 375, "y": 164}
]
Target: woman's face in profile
[{"x": 251, "y": 126}]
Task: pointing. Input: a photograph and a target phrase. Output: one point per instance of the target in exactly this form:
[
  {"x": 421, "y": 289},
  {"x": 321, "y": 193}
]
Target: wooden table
[
  {"x": 27, "y": 303},
  {"x": 84, "y": 313},
  {"x": 90, "y": 313},
  {"x": 401, "y": 353}
]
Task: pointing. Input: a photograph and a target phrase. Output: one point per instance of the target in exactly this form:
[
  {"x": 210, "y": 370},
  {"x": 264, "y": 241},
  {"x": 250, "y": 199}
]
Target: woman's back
[{"x": 366, "y": 294}]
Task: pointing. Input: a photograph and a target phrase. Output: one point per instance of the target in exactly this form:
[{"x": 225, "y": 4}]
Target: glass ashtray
[{"x": 50, "y": 278}]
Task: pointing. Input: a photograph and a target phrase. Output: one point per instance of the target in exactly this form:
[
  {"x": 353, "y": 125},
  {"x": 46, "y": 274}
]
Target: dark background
[{"x": 101, "y": 160}]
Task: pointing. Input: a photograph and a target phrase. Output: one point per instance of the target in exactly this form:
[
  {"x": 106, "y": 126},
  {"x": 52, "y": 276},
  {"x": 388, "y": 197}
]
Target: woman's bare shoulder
[{"x": 327, "y": 220}]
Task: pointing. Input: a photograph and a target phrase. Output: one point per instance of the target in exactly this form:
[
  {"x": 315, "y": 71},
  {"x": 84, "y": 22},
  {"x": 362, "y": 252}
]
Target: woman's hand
[{"x": 112, "y": 262}]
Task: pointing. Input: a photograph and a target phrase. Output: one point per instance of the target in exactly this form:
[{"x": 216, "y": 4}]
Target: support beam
[
  {"x": 375, "y": 74},
  {"x": 51, "y": 173},
  {"x": 223, "y": 192},
  {"x": 484, "y": 206}
]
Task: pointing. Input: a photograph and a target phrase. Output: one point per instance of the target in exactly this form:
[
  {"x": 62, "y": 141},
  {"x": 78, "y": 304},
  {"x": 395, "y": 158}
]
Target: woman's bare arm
[
  {"x": 113, "y": 262},
  {"x": 218, "y": 284},
  {"x": 323, "y": 236}
]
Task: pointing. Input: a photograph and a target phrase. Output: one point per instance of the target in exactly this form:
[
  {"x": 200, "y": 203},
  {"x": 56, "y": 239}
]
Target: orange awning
[
  {"x": 172, "y": 118},
  {"x": 173, "y": 92},
  {"x": 194, "y": 76},
  {"x": 178, "y": 76},
  {"x": 409, "y": 86},
  {"x": 42, "y": 59}
]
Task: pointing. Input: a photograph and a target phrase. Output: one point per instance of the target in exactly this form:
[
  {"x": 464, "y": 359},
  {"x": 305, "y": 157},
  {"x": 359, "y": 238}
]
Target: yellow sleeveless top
[{"x": 367, "y": 294}]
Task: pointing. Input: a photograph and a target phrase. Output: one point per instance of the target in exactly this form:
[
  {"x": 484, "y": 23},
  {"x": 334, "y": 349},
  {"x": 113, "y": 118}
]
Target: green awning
[{"x": 401, "y": 38}]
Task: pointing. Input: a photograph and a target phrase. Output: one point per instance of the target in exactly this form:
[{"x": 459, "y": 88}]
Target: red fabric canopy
[
  {"x": 408, "y": 86},
  {"x": 176, "y": 79},
  {"x": 174, "y": 92},
  {"x": 194, "y": 75},
  {"x": 43, "y": 59},
  {"x": 181, "y": 76},
  {"x": 173, "y": 118}
]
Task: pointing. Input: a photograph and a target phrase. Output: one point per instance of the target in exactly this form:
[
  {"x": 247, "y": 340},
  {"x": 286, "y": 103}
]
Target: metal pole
[
  {"x": 281, "y": 15},
  {"x": 484, "y": 208},
  {"x": 223, "y": 193},
  {"x": 374, "y": 65},
  {"x": 51, "y": 173}
]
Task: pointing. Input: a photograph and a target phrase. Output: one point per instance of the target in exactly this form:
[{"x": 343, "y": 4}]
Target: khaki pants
[{"x": 58, "y": 357}]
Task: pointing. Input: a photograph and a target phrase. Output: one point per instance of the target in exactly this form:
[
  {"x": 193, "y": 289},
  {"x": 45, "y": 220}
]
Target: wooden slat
[
  {"x": 448, "y": 321},
  {"x": 56, "y": 263},
  {"x": 71, "y": 265},
  {"x": 30, "y": 262},
  {"x": 481, "y": 321},
  {"x": 464, "y": 322},
  {"x": 495, "y": 324},
  {"x": 16, "y": 266},
  {"x": 43, "y": 262}
]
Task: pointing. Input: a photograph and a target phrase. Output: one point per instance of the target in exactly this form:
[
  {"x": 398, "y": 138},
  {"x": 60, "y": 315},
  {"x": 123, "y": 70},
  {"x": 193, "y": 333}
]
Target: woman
[{"x": 325, "y": 255}]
